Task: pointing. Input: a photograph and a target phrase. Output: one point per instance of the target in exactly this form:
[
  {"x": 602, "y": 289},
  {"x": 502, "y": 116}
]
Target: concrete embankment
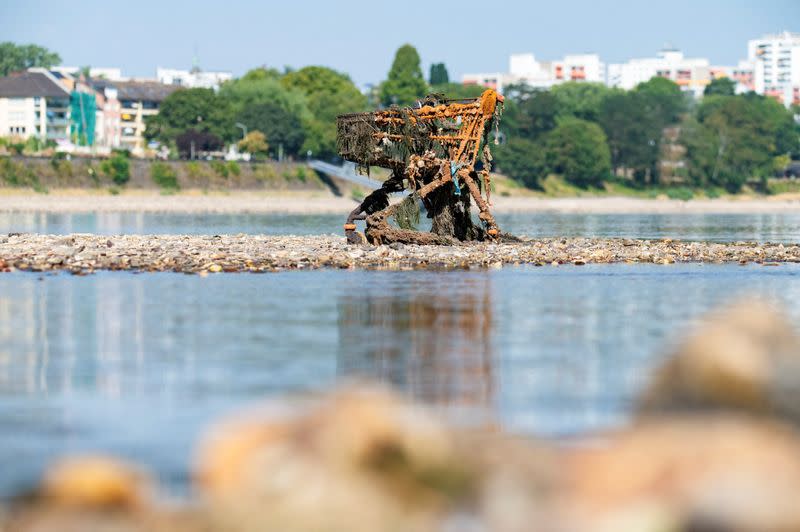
[{"x": 81, "y": 253}]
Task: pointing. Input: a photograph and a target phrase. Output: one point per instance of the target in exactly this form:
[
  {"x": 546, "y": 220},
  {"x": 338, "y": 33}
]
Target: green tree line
[
  {"x": 591, "y": 134},
  {"x": 295, "y": 112}
]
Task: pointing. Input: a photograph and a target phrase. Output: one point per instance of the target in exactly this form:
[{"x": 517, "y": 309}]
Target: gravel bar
[{"x": 85, "y": 253}]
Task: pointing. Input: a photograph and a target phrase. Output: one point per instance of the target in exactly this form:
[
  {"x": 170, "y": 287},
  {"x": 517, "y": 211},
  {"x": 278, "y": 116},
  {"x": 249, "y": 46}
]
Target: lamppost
[{"x": 242, "y": 127}]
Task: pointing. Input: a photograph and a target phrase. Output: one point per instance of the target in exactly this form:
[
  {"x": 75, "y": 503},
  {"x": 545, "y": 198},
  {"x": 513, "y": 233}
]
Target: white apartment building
[
  {"x": 691, "y": 74},
  {"x": 742, "y": 74},
  {"x": 776, "y": 61},
  {"x": 34, "y": 103},
  {"x": 525, "y": 68},
  {"x": 191, "y": 79}
]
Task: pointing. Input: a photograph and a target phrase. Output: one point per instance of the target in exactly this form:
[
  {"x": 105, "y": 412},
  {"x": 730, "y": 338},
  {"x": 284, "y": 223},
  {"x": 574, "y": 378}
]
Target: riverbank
[
  {"x": 81, "y": 253},
  {"x": 323, "y": 202}
]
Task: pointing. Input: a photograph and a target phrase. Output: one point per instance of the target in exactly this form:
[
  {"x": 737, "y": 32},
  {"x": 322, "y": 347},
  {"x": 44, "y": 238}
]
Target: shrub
[
  {"x": 680, "y": 193},
  {"x": 56, "y": 159},
  {"x": 220, "y": 168},
  {"x": 164, "y": 176},
  {"x": 234, "y": 168},
  {"x": 300, "y": 174},
  {"x": 193, "y": 169},
  {"x": 18, "y": 175},
  {"x": 202, "y": 141},
  {"x": 10, "y": 171},
  {"x": 117, "y": 167},
  {"x": 64, "y": 169},
  {"x": 264, "y": 172},
  {"x": 34, "y": 145}
]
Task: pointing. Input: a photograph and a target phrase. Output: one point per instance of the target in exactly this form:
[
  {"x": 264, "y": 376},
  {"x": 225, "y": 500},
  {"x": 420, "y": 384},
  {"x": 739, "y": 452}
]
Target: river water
[
  {"x": 139, "y": 364},
  {"x": 779, "y": 227}
]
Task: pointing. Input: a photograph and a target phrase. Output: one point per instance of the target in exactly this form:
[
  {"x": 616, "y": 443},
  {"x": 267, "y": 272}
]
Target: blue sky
[{"x": 360, "y": 37}]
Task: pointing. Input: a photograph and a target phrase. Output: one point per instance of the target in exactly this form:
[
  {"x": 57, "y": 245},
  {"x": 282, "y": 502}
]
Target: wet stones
[{"x": 256, "y": 253}]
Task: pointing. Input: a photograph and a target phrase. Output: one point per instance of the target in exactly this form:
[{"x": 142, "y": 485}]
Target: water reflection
[{"x": 431, "y": 337}]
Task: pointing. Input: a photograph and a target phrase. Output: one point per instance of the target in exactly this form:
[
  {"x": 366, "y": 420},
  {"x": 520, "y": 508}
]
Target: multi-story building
[
  {"x": 194, "y": 78},
  {"x": 108, "y": 126},
  {"x": 526, "y": 69},
  {"x": 776, "y": 61},
  {"x": 138, "y": 100},
  {"x": 34, "y": 103},
  {"x": 742, "y": 74},
  {"x": 691, "y": 74}
]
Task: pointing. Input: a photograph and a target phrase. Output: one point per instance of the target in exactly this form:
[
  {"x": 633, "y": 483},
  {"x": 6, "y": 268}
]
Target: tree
[
  {"x": 254, "y": 143},
  {"x": 720, "y": 87},
  {"x": 736, "y": 138},
  {"x": 200, "y": 110},
  {"x": 665, "y": 100},
  {"x": 261, "y": 73},
  {"x": 529, "y": 113},
  {"x": 191, "y": 142},
  {"x": 14, "y": 58},
  {"x": 438, "y": 74},
  {"x": 405, "y": 83},
  {"x": 633, "y": 133},
  {"x": 523, "y": 160},
  {"x": 580, "y": 99},
  {"x": 328, "y": 94},
  {"x": 578, "y": 150},
  {"x": 259, "y": 86},
  {"x": 281, "y": 127}
]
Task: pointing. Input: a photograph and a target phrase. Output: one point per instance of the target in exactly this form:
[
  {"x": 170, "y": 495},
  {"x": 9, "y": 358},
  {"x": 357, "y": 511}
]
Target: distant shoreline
[{"x": 320, "y": 202}]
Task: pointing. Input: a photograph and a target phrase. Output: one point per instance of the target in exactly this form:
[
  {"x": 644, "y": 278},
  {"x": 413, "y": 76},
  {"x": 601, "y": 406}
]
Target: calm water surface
[
  {"x": 782, "y": 227},
  {"x": 138, "y": 365}
]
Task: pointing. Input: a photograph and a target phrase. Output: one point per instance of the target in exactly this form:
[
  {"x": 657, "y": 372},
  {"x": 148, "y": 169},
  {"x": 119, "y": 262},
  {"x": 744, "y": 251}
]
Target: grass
[
  {"x": 357, "y": 193},
  {"x": 555, "y": 186},
  {"x": 783, "y": 186}
]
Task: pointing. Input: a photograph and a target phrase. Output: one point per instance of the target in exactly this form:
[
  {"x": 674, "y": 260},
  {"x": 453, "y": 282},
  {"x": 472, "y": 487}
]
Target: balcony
[{"x": 62, "y": 122}]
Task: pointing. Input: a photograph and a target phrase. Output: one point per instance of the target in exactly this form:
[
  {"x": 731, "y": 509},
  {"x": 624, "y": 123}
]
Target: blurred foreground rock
[
  {"x": 691, "y": 474},
  {"x": 364, "y": 460},
  {"x": 745, "y": 357}
]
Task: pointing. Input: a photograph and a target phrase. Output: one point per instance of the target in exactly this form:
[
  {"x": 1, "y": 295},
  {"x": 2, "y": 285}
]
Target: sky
[{"x": 360, "y": 37}]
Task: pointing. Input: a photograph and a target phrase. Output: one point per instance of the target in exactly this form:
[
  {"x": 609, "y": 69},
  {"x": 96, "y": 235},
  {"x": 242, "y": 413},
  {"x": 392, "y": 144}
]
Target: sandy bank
[
  {"x": 313, "y": 202},
  {"x": 256, "y": 253}
]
